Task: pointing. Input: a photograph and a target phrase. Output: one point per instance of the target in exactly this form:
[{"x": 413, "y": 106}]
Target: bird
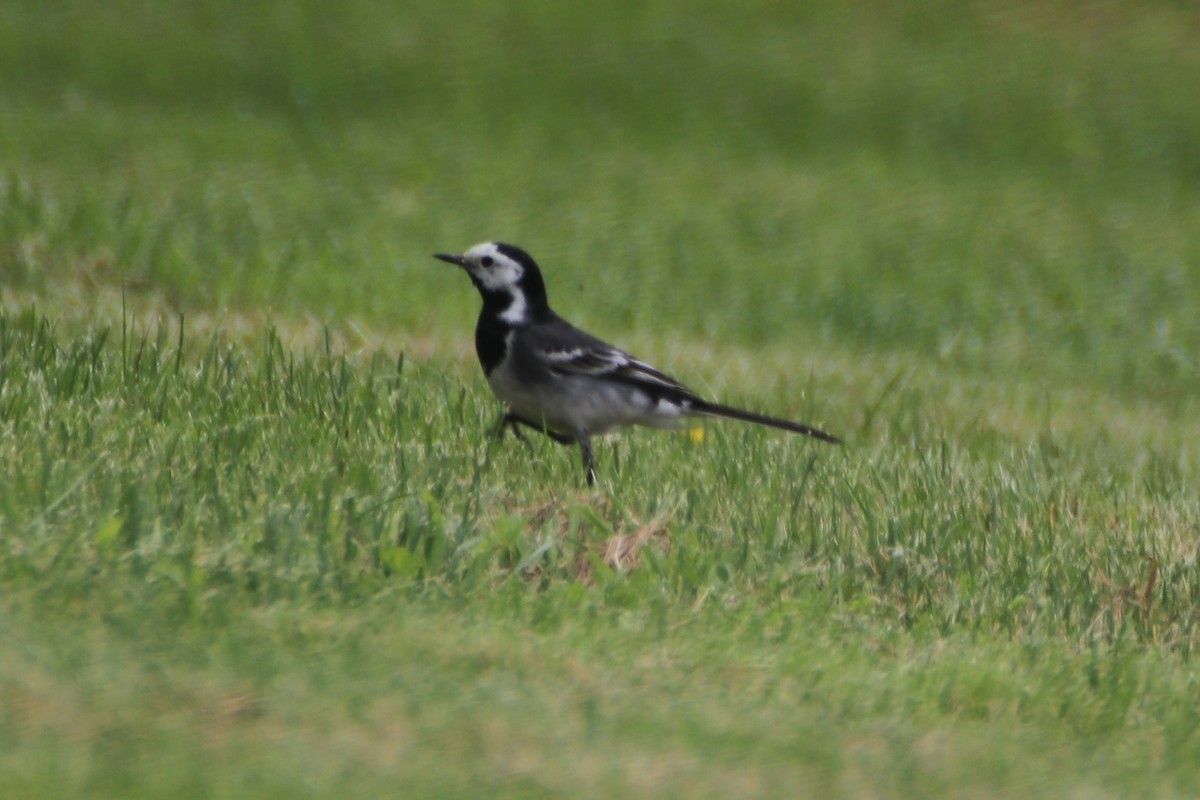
[{"x": 555, "y": 378}]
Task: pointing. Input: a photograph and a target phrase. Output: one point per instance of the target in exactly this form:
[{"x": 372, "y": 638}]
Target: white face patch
[{"x": 494, "y": 270}]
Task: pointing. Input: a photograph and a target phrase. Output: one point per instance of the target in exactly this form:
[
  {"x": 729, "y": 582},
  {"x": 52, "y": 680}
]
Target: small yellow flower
[{"x": 696, "y": 434}]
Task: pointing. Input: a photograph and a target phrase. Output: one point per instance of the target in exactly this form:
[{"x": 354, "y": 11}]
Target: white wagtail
[{"x": 558, "y": 379}]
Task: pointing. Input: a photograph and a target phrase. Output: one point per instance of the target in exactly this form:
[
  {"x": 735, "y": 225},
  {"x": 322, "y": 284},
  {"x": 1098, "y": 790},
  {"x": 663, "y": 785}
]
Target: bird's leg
[
  {"x": 510, "y": 420},
  {"x": 558, "y": 437},
  {"x": 589, "y": 460}
]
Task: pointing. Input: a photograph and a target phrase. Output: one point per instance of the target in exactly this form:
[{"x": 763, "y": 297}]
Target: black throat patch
[{"x": 490, "y": 335}]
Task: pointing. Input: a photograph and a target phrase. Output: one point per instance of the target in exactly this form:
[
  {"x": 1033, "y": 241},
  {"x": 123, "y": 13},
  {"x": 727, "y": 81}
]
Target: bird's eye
[{"x": 487, "y": 261}]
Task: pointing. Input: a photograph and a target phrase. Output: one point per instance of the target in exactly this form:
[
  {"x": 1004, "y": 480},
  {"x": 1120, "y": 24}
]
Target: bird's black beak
[{"x": 457, "y": 260}]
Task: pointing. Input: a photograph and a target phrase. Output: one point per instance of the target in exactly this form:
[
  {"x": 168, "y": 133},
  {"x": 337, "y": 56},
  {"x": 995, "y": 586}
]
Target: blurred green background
[
  {"x": 994, "y": 186},
  {"x": 963, "y": 235}
]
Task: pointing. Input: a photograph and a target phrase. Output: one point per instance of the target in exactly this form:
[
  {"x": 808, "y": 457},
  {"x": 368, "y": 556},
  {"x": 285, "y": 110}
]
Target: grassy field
[{"x": 255, "y": 539}]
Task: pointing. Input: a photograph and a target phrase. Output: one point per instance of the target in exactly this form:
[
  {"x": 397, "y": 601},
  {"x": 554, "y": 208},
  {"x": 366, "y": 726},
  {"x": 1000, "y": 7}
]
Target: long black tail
[{"x": 716, "y": 410}]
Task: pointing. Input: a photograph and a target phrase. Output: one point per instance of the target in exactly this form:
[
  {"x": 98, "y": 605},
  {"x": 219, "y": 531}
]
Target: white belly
[{"x": 572, "y": 405}]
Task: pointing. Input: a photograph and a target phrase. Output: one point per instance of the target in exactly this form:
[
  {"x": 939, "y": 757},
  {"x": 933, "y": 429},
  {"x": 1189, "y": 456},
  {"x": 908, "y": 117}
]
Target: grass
[{"x": 255, "y": 539}]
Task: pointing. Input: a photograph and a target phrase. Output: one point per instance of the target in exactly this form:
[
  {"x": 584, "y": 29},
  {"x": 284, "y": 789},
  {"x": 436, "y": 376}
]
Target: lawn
[{"x": 257, "y": 540}]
